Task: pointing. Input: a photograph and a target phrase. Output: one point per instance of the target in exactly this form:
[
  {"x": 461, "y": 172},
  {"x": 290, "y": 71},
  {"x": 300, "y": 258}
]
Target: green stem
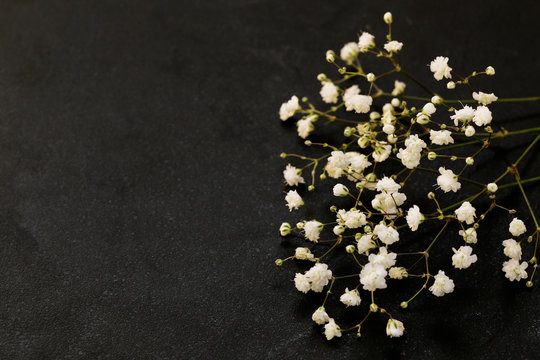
[{"x": 522, "y": 182}]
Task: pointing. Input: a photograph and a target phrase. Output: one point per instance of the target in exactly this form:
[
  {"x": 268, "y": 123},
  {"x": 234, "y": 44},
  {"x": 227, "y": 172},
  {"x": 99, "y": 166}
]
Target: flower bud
[
  {"x": 339, "y": 229},
  {"x": 431, "y": 195},
  {"x": 350, "y": 249},
  {"x": 300, "y": 225},
  {"x": 469, "y": 131},
  {"x": 322, "y": 77},
  {"x": 285, "y": 229},
  {"x": 469, "y": 161},
  {"x": 492, "y": 187},
  {"x": 392, "y": 138},
  {"x": 370, "y": 77},
  {"x": 340, "y": 190},
  {"x": 374, "y": 115},
  {"x": 422, "y": 119},
  {"x": 371, "y": 177},
  {"x": 364, "y": 141},
  {"x": 367, "y": 229},
  {"x": 432, "y": 155},
  {"x": 429, "y": 108},
  {"x": 283, "y": 155},
  {"x": 311, "y": 187},
  {"x": 437, "y": 100},
  {"x": 333, "y": 208},
  {"x": 388, "y": 18},
  {"x": 330, "y": 56},
  {"x": 322, "y": 176},
  {"x": 404, "y": 304},
  {"x": 347, "y": 132},
  {"x": 451, "y": 85},
  {"x": 279, "y": 262},
  {"x": 388, "y": 129},
  {"x": 373, "y": 307},
  {"x": 453, "y": 158},
  {"x": 490, "y": 70},
  {"x": 395, "y": 102}
]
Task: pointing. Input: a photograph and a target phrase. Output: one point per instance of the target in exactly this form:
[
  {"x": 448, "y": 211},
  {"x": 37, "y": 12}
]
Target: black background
[{"x": 141, "y": 189}]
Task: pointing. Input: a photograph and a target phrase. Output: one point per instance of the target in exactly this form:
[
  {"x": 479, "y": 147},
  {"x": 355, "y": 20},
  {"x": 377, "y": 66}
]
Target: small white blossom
[
  {"x": 331, "y": 330},
  {"x": 517, "y": 227},
  {"x": 469, "y": 131},
  {"x": 513, "y": 270},
  {"x": 312, "y": 230},
  {"x": 386, "y": 234},
  {"x": 394, "y": 328},
  {"x": 302, "y": 283},
  {"x": 340, "y": 190},
  {"x": 469, "y": 235},
  {"x": 388, "y": 185},
  {"x": 388, "y": 17},
  {"x": 359, "y": 103},
  {"x": 349, "y": 52},
  {"x": 294, "y": 201},
  {"x": 383, "y": 258},
  {"x": 303, "y": 253},
  {"x": 482, "y": 116},
  {"x": 490, "y": 70},
  {"x": 512, "y": 249},
  {"x": 492, "y": 187},
  {"x": 414, "y": 217},
  {"x": 337, "y": 162},
  {"x": 429, "y": 109},
  {"x": 320, "y": 316},
  {"x": 441, "y": 137},
  {"x": 329, "y": 93},
  {"x": 358, "y": 163},
  {"x": 305, "y": 126},
  {"x": 318, "y": 276},
  {"x": 440, "y": 68},
  {"x": 387, "y": 203},
  {"x": 352, "y": 219},
  {"x": 399, "y": 88},
  {"x": 397, "y": 273},
  {"x": 372, "y": 277},
  {"x": 463, "y": 115},
  {"x": 338, "y": 229},
  {"x": 393, "y": 46},
  {"x": 366, "y": 41},
  {"x": 415, "y": 143},
  {"x": 347, "y": 94},
  {"x": 410, "y": 158},
  {"x": 381, "y": 153},
  {"x": 350, "y": 297},
  {"x": 483, "y": 98},
  {"x": 288, "y": 108},
  {"x": 292, "y": 175},
  {"x": 442, "y": 284},
  {"x": 466, "y": 212},
  {"x": 389, "y": 129},
  {"x": 448, "y": 180},
  {"x": 463, "y": 257},
  {"x": 365, "y": 243}
]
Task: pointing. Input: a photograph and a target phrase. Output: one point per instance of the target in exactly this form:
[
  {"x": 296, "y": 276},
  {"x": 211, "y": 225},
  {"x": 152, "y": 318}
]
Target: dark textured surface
[{"x": 140, "y": 183}]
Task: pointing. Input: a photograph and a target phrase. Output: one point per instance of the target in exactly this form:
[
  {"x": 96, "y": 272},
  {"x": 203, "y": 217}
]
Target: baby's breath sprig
[{"x": 409, "y": 130}]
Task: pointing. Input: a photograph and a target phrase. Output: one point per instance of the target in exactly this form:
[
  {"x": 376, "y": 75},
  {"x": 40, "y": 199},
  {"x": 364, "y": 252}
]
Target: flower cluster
[{"x": 391, "y": 137}]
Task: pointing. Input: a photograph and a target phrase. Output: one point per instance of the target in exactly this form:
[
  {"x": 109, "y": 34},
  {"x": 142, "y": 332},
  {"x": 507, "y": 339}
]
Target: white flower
[
  {"x": 348, "y": 52},
  {"x": 292, "y": 175},
  {"x": 394, "y": 328},
  {"x": 387, "y": 185},
  {"x": 387, "y": 203},
  {"x": 358, "y": 162},
  {"x": 381, "y": 153},
  {"x": 517, "y": 227},
  {"x": 442, "y": 285},
  {"x": 302, "y": 283},
  {"x": 338, "y": 229},
  {"x": 409, "y": 157},
  {"x": 305, "y": 126},
  {"x": 386, "y": 234},
  {"x": 429, "y": 109},
  {"x": 399, "y": 88},
  {"x": 285, "y": 229},
  {"x": 463, "y": 115},
  {"x": 303, "y": 253},
  {"x": 350, "y": 92},
  {"x": 448, "y": 180},
  {"x": 294, "y": 201},
  {"x": 441, "y": 137},
  {"x": 312, "y": 230},
  {"x": 340, "y": 190},
  {"x": 469, "y": 235},
  {"x": 393, "y": 46},
  {"x": 337, "y": 162},
  {"x": 414, "y": 217},
  {"x": 331, "y": 330},
  {"x": 466, "y": 212},
  {"x": 469, "y": 131},
  {"x": 329, "y": 93},
  {"x": 359, "y": 103},
  {"x": 512, "y": 249},
  {"x": 440, "y": 68},
  {"x": 483, "y": 98},
  {"x": 482, "y": 116},
  {"x": 352, "y": 219},
  {"x": 320, "y": 316},
  {"x": 490, "y": 71},
  {"x": 414, "y": 142},
  {"x": 318, "y": 276},
  {"x": 492, "y": 187},
  {"x": 365, "y": 243},
  {"x": 372, "y": 277},
  {"x": 389, "y": 129},
  {"x": 514, "y": 270},
  {"x": 288, "y": 108},
  {"x": 366, "y": 41},
  {"x": 397, "y": 273},
  {"x": 463, "y": 257},
  {"x": 383, "y": 258},
  {"x": 350, "y": 297}
]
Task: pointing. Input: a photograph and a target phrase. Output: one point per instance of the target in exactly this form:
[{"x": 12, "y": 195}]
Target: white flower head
[
  {"x": 288, "y": 108},
  {"x": 463, "y": 257},
  {"x": 482, "y": 116},
  {"x": 302, "y": 283},
  {"x": 466, "y": 212},
  {"x": 513, "y": 270},
  {"x": 352, "y": 219},
  {"x": 349, "y": 52},
  {"x": 320, "y": 316},
  {"x": 388, "y": 185},
  {"x": 441, "y": 137},
  {"x": 337, "y": 163},
  {"x": 440, "y": 68},
  {"x": 366, "y": 41},
  {"x": 350, "y": 297},
  {"x": 512, "y": 249},
  {"x": 348, "y": 93},
  {"x": 448, "y": 181},
  {"x": 359, "y": 103},
  {"x": 331, "y": 330},
  {"x": 414, "y": 217},
  {"x": 399, "y": 88},
  {"x": 318, "y": 276},
  {"x": 410, "y": 158},
  {"x": 312, "y": 230},
  {"x": 329, "y": 93},
  {"x": 305, "y": 126},
  {"x": 469, "y": 235},
  {"x": 483, "y": 98},
  {"x": 383, "y": 258},
  {"x": 365, "y": 243},
  {"x": 394, "y": 328},
  {"x": 517, "y": 227},
  {"x": 372, "y": 277},
  {"x": 387, "y": 234},
  {"x": 292, "y": 175},
  {"x": 381, "y": 153},
  {"x": 442, "y": 284},
  {"x": 294, "y": 200},
  {"x": 393, "y": 46},
  {"x": 464, "y": 115}
]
